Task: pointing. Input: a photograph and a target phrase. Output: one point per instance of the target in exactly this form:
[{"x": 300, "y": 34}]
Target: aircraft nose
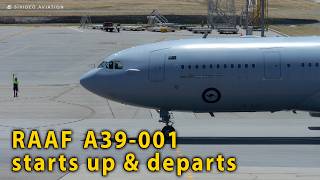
[{"x": 88, "y": 80}]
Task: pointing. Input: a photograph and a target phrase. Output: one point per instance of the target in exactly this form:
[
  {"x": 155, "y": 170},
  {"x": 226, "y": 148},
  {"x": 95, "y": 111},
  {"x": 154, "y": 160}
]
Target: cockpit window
[
  {"x": 118, "y": 65},
  {"x": 111, "y": 65},
  {"x": 101, "y": 65}
]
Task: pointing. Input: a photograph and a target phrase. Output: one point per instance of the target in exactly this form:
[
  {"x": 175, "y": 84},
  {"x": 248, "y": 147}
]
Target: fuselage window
[
  {"x": 310, "y": 64},
  {"x": 302, "y": 64},
  {"x": 288, "y": 65},
  {"x": 317, "y": 64},
  {"x": 225, "y": 66},
  {"x": 172, "y": 57}
]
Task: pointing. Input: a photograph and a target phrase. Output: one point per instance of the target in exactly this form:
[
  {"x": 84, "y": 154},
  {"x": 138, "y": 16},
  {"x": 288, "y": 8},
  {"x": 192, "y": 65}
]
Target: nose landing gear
[{"x": 165, "y": 118}]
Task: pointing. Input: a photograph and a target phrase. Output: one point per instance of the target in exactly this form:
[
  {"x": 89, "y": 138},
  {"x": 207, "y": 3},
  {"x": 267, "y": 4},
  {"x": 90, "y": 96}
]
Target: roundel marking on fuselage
[{"x": 211, "y": 95}]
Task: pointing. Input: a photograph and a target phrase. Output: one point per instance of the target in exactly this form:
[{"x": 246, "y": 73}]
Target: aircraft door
[
  {"x": 157, "y": 65},
  {"x": 272, "y": 65}
]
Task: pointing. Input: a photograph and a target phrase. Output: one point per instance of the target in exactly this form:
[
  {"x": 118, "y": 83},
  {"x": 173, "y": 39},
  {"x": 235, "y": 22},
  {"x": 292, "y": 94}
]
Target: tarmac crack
[
  {"x": 150, "y": 114},
  {"x": 24, "y": 98},
  {"x": 17, "y": 34},
  {"x": 92, "y": 112},
  {"x": 135, "y": 113},
  {"x": 63, "y": 93}
]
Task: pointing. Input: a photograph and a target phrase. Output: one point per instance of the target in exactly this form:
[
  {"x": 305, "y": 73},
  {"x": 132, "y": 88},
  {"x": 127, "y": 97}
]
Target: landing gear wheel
[
  {"x": 167, "y": 130},
  {"x": 165, "y": 118}
]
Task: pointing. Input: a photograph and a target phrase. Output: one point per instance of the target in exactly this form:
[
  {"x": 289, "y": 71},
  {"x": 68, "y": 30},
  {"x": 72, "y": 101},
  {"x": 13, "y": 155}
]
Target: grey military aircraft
[{"x": 247, "y": 74}]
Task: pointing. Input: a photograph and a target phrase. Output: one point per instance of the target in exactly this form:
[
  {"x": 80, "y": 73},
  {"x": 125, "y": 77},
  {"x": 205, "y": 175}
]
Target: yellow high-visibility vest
[{"x": 15, "y": 81}]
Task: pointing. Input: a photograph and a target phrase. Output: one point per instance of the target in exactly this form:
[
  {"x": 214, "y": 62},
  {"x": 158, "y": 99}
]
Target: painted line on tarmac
[
  {"x": 76, "y": 29},
  {"x": 110, "y": 109},
  {"x": 278, "y": 32}
]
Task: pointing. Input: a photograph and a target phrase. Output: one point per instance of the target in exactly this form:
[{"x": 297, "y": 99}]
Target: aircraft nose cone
[{"x": 88, "y": 80}]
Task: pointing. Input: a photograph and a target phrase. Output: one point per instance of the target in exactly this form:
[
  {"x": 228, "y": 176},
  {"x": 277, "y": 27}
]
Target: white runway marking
[{"x": 76, "y": 29}]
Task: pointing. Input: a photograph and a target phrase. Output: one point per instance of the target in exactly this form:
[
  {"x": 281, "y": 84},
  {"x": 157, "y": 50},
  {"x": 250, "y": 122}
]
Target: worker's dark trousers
[{"x": 15, "y": 91}]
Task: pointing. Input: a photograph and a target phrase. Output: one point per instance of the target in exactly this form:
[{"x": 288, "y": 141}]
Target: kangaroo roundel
[{"x": 211, "y": 95}]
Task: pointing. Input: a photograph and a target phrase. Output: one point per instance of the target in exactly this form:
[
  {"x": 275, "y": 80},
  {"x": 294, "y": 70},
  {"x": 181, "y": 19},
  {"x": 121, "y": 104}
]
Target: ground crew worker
[{"x": 15, "y": 86}]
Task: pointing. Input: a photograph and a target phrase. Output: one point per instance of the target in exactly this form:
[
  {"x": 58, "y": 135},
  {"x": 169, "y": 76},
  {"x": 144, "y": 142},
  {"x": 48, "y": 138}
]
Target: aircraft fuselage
[{"x": 214, "y": 75}]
